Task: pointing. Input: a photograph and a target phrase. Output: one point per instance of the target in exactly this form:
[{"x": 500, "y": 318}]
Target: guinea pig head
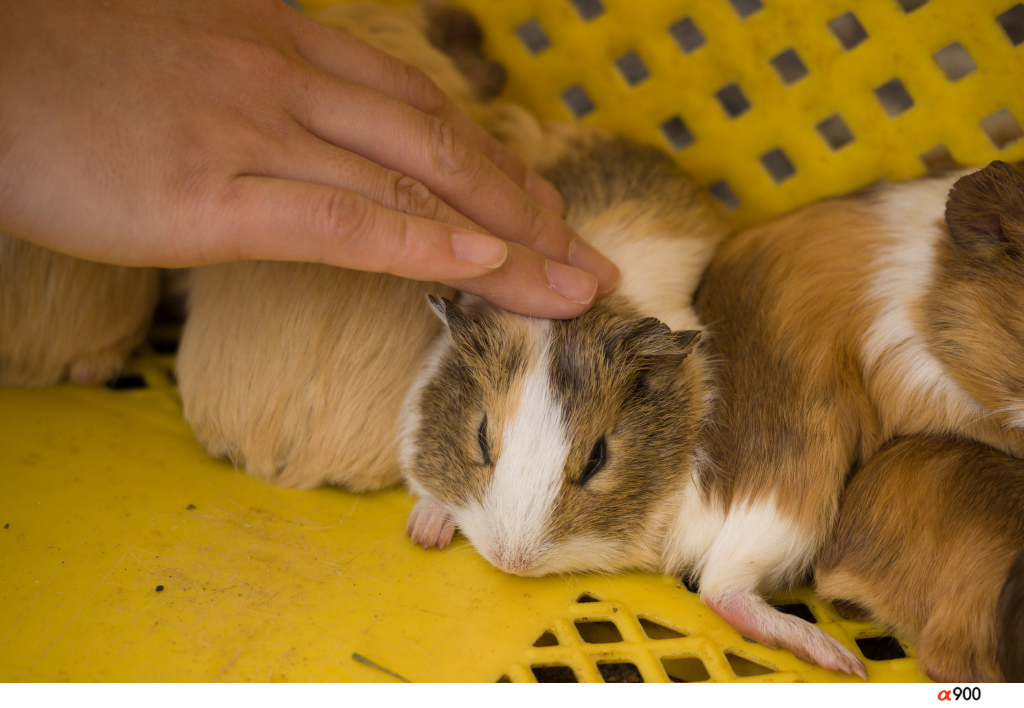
[
  {"x": 557, "y": 445},
  {"x": 980, "y": 287}
]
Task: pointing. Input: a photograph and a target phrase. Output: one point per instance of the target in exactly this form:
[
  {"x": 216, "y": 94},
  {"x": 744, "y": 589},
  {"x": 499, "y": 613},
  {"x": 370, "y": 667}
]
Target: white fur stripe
[{"x": 510, "y": 526}]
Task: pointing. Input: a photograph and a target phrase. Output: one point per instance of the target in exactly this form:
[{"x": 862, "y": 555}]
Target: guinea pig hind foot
[
  {"x": 430, "y": 524},
  {"x": 750, "y": 615}
]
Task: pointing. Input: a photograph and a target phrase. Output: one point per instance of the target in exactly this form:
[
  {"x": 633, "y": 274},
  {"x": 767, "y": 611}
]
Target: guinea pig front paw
[
  {"x": 430, "y": 524},
  {"x": 97, "y": 368}
]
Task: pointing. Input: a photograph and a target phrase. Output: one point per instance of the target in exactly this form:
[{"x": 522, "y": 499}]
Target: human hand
[{"x": 186, "y": 132}]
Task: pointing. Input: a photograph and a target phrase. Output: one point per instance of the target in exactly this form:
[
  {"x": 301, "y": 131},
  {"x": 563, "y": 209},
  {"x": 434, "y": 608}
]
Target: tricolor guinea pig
[
  {"x": 66, "y": 318},
  {"x": 571, "y": 445},
  {"x": 930, "y": 542}
]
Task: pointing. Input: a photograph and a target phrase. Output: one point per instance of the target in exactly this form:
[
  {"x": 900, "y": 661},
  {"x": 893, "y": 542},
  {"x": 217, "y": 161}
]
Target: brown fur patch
[
  {"x": 62, "y": 316},
  {"x": 927, "y": 533}
]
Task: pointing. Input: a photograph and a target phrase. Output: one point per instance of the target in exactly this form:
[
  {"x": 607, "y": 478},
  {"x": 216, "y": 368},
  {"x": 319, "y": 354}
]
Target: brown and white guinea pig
[
  {"x": 568, "y": 445},
  {"x": 836, "y": 328},
  {"x": 930, "y": 542},
  {"x": 66, "y": 318}
]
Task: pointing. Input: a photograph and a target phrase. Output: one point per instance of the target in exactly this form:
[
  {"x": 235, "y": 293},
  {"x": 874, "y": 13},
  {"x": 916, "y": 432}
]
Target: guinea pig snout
[{"x": 513, "y": 558}]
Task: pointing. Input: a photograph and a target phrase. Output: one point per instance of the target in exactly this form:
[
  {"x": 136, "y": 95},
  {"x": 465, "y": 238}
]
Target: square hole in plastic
[
  {"x": 676, "y": 133},
  {"x": 1002, "y": 128},
  {"x": 127, "y": 382},
  {"x": 742, "y": 666},
  {"x": 577, "y": 100},
  {"x": 746, "y": 8},
  {"x": 835, "y": 132},
  {"x": 936, "y": 159},
  {"x": 894, "y": 98},
  {"x": 598, "y": 632},
  {"x": 657, "y": 631},
  {"x": 588, "y": 9},
  {"x": 533, "y": 37},
  {"x": 880, "y": 648},
  {"x": 687, "y": 35},
  {"x": 1012, "y": 22},
  {"x": 554, "y": 674},
  {"x": 911, "y": 5},
  {"x": 733, "y": 101},
  {"x": 727, "y": 198},
  {"x": 632, "y": 68},
  {"x": 685, "y": 669},
  {"x": 848, "y": 30},
  {"x": 798, "y": 609},
  {"x": 955, "y": 62},
  {"x": 789, "y": 66},
  {"x": 777, "y": 163},
  {"x": 620, "y": 672}
]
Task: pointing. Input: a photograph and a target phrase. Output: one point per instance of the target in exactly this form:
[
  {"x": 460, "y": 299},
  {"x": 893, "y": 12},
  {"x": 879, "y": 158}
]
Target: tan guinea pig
[
  {"x": 65, "y": 318},
  {"x": 930, "y": 541}
]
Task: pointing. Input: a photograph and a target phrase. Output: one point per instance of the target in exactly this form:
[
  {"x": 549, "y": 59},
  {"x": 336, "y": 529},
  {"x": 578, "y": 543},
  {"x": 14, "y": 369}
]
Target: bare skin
[{"x": 185, "y": 132}]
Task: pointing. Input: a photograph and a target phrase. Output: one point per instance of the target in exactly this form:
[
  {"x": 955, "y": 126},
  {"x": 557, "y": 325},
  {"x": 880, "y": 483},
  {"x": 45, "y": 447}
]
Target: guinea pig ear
[
  {"x": 985, "y": 209},
  {"x": 651, "y": 338},
  {"x": 456, "y": 322}
]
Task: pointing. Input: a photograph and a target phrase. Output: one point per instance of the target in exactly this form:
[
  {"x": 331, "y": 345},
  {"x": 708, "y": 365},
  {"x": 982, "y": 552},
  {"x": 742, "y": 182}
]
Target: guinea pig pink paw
[
  {"x": 430, "y": 524},
  {"x": 750, "y": 615},
  {"x": 94, "y": 369}
]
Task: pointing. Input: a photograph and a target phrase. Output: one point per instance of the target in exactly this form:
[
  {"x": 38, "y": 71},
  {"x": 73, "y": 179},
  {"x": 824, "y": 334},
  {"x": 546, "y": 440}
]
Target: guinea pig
[
  {"x": 66, "y": 318},
  {"x": 298, "y": 371},
  {"x": 836, "y": 328},
  {"x": 930, "y": 542}
]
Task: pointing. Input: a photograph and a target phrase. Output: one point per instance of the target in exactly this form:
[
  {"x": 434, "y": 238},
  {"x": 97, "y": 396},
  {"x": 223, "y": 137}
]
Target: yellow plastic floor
[{"x": 126, "y": 554}]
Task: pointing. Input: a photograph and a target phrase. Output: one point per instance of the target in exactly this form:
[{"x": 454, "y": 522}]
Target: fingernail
[
  {"x": 479, "y": 249},
  {"x": 570, "y": 283},
  {"x": 585, "y": 257},
  {"x": 544, "y": 193}
]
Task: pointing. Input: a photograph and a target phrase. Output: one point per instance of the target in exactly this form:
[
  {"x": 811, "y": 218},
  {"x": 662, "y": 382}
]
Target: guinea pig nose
[{"x": 514, "y": 560}]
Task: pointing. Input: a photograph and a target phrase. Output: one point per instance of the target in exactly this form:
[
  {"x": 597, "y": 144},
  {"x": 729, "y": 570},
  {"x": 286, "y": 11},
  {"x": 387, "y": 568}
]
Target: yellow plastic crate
[{"x": 127, "y": 554}]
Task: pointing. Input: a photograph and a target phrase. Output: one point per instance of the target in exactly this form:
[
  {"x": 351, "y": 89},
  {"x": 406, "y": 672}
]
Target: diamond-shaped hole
[
  {"x": 789, "y": 66},
  {"x": 685, "y": 669},
  {"x": 577, "y": 101},
  {"x": 533, "y": 37},
  {"x": 835, "y": 132},
  {"x": 732, "y": 100},
  {"x": 778, "y": 165},
  {"x": 554, "y": 674},
  {"x": 632, "y": 68},
  {"x": 504, "y": 679},
  {"x": 798, "y": 609},
  {"x": 848, "y": 30},
  {"x": 620, "y": 672},
  {"x": 676, "y": 133},
  {"x": 745, "y": 8},
  {"x": 1002, "y": 128},
  {"x": 588, "y": 9},
  {"x": 598, "y": 632},
  {"x": 127, "y": 382},
  {"x": 656, "y": 631},
  {"x": 955, "y": 62},
  {"x": 587, "y": 597},
  {"x": 727, "y": 198},
  {"x": 894, "y": 98},
  {"x": 546, "y": 640},
  {"x": 936, "y": 159},
  {"x": 880, "y": 648},
  {"x": 687, "y": 35},
  {"x": 1012, "y": 22},
  {"x": 911, "y": 5},
  {"x": 742, "y": 666}
]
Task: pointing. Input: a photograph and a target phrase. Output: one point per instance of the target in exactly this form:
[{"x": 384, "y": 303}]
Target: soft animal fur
[
  {"x": 63, "y": 317},
  {"x": 928, "y": 533},
  {"x": 559, "y": 445}
]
